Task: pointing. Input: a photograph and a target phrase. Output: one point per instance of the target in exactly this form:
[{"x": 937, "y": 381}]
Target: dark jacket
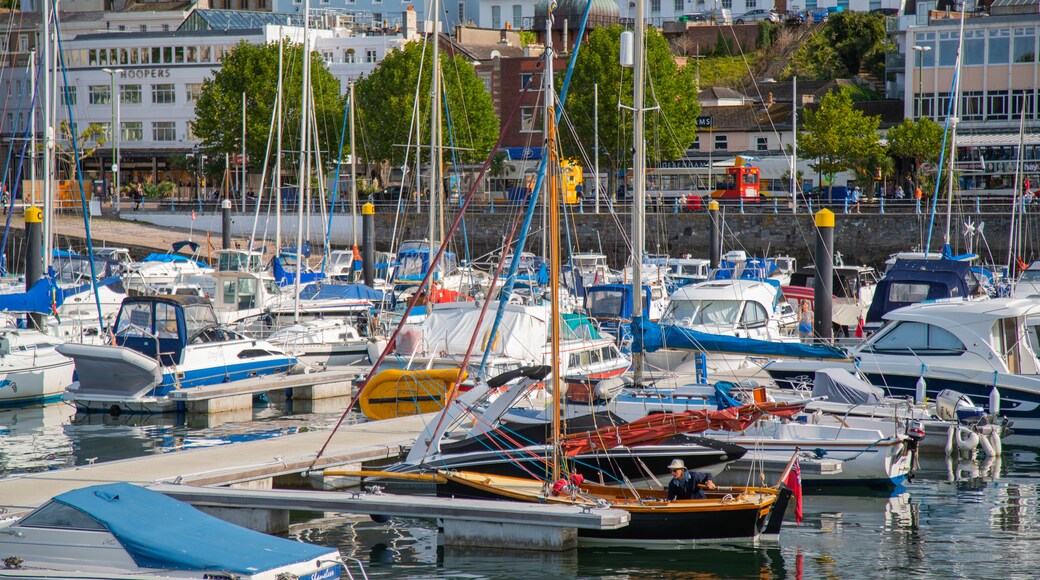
[{"x": 689, "y": 486}]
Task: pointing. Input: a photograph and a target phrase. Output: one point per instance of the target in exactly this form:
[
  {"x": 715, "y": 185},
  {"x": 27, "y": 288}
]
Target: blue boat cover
[
  {"x": 44, "y": 296},
  {"x": 161, "y": 532},
  {"x": 286, "y": 278},
  {"x": 332, "y": 291},
  {"x": 939, "y": 279},
  {"x": 650, "y": 336},
  {"x": 178, "y": 246}
]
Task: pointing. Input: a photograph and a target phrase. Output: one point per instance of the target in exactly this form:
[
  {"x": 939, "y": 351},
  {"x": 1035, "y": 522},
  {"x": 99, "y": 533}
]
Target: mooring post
[
  {"x": 368, "y": 243},
  {"x": 823, "y": 284},
  {"x": 225, "y": 208},
  {"x": 34, "y": 257}
]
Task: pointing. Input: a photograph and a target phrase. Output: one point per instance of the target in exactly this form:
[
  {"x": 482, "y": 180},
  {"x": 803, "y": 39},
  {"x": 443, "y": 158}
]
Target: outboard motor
[{"x": 953, "y": 406}]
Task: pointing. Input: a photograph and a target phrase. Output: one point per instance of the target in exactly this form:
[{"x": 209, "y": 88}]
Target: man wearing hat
[{"x": 687, "y": 484}]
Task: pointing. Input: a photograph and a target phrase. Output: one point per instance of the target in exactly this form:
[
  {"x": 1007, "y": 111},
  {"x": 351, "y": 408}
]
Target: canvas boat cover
[
  {"x": 651, "y": 336},
  {"x": 161, "y": 532},
  {"x": 841, "y": 386}
]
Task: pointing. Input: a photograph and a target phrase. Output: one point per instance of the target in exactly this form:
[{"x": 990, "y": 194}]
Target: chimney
[{"x": 408, "y": 22}]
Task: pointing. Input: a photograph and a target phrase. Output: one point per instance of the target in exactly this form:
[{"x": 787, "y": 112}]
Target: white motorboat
[
  {"x": 32, "y": 371},
  {"x": 122, "y": 531},
  {"x": 985, "y": 349},
  {"x": 163, "y": 344},
  {"x": 323, "y": 341}
]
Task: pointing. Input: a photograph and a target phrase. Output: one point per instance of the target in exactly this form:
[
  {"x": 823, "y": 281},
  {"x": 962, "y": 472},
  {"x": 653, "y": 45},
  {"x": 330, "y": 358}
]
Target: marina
[{"x": 492, "y": 338}]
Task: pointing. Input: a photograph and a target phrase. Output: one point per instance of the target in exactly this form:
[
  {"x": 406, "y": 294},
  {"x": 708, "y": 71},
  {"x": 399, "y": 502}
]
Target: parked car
[
  {"x": 819, "y": 15},
  {"x": 757, "y": 15},
  {"x": 828, "y": 194},
  {"x": 886, "y": 11},
  {"x": 698, "y": 17},
  {"x": 794, "y": 18}
]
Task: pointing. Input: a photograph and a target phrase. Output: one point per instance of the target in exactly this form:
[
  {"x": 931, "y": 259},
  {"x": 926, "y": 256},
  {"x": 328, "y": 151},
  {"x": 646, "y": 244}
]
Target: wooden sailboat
[{"x": 726, "y": 514}]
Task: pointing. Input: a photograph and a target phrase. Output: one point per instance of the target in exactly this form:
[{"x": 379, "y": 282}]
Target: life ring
[{"x": 967, "y": 440}]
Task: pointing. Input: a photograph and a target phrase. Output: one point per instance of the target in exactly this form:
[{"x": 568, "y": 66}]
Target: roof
[
  {"x": 720, "y": 93},
  {"x": 163, "y": 6},
  {"x": 238, "y": 20}
]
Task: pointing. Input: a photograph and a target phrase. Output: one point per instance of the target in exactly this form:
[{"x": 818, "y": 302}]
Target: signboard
[{"x": 704, "y": 122}]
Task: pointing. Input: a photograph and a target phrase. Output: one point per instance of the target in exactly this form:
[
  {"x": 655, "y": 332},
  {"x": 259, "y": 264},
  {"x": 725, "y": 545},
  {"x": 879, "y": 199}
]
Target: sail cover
[{"x": 651, "y": 336}]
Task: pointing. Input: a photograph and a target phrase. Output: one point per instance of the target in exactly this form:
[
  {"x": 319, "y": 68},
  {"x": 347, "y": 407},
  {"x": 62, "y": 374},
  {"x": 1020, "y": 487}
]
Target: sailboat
[{"x": 730, "y": 513}]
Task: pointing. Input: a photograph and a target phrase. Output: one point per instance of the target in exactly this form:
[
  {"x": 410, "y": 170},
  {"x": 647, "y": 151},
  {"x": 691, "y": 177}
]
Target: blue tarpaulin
[
  {"x": 332, "y": 291},
  {"x": 651, "y": 336},
  {"x": 161, "y": 532},
  {"x": 287, "y": 278}
]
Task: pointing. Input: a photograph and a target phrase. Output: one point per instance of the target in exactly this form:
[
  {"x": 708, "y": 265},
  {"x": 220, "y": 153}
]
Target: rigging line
[
  {"x": 5, "y": 54},
  {"x": 416, "y": 121},
  {"x": 18, "y": 173},
  {"x": 79, "y": 170},
  {"x": 457, "y": 175},
  {"x": 950, "y": 108},
  {"x": 263, "y": 175},
  {"x": 423, "y": 284},
  {"x": 335, "y": 186}
]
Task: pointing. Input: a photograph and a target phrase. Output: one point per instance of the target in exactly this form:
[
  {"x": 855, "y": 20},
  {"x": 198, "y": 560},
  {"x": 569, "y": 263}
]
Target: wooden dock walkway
[{"x": 228, "y": 464}]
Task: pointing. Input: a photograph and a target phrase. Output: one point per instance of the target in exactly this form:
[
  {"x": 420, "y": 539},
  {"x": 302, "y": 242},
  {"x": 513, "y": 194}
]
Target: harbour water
[{"x": 966, "y": 520}]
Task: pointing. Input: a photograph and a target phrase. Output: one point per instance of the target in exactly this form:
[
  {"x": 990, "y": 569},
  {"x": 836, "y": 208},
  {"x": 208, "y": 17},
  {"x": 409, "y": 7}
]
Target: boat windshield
[
  {"x": 198, "y": 317},
  {"x": 704, "y": 312},
  {"x": 1030, "y": 276},
  {"x": 342, "y": 259},
  {"x": 605, "y": 303},
  {"x": 60, "y": 516}
]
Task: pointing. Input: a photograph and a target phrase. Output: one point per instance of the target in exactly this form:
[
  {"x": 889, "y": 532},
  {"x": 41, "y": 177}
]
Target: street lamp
[
  {"x": 115, "y": 131},
  {"x": 920, "y": 77}
]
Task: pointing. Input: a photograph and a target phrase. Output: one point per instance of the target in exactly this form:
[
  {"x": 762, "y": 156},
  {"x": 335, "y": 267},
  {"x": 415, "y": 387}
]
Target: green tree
[
  {"x": 253, "y": 69},
  {"x": 668, "y": 87},
  {"x": 848, "y": 43},
  {"x": 386, "y": 101},
  {"x": 919, "y": 141},
  {"x": 837, "y": 136}
]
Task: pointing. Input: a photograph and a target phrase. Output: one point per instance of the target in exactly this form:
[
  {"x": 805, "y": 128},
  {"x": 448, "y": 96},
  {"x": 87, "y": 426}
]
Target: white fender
[
  {"x": 987, "y": 448},
  {"x": 967, "y": 470},
  {"x": 995, "y": 441},
  {"x": 949, "y": 440},
  {"x": 967, "y": 440}
]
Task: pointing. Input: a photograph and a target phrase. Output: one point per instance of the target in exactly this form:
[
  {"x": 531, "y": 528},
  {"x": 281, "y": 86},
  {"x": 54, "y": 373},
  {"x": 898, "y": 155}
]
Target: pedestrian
[
  {"x": 805, "y": 321},
  {"x": 579, "y": 190},
  {"x": 899, "y": 192},
  {"x": 5, "y": 199},
  {"x": 687, "y": 484},
  {"x": 138, "y": 197},
  {"x": 857, "y": 194}
]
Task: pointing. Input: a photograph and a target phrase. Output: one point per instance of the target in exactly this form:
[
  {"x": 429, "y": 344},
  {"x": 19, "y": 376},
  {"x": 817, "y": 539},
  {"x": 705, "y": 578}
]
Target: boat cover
[
  {"x": 340, "y": 291},
  {"x": 170, "y": 258},
  {"x": 44, "y": 296},
  {"x": 841, "y": 386},
  {"x": 161, "y": 532},
  {"x": 651, "y": 336},
  {"x": 288, "y": 278}
]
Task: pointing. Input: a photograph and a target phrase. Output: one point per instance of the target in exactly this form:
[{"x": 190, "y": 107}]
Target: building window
[
  {"x": 972, "y": 109},
  {"x": 164, "y": 131},
  {"x": 3, "y": 44},
  {"x": 762, "y": 144},
  {"x": 974, "y": 47},
  {"x": 165, "y": 27},
  {"x": 997, "y": 109},
  {"x": 131, "y": 131},
  {"x": 721, "y": 143},
  {"x": 23, "y": 43},
  {"x": 1025, "y": 44},
  {"x": 164, "y": 94},
  {"x": 104, "y": 129},
  {"x": 70, "y": 96},
  {"x": 462, "y": 12},
  {"x": 999, "y": 46},
  {"x": 370, "y": 56},
  {"x": 948, "y": 42},
  {"x": 696, "y": 145},
  {"x": 518, "y": 16},
  {"x": 925, "y": 106},
  {"x": 377, "y": 19},
  {"x": 655, "y": 5},
  {"x": 100, "y": 95},
  {"x": 130, "y": 94},
  {"x": 191, "y": 132},
  {"x": 751, "y": 4},
  {"x": 678, "y": 7},
  {"x": 348, "y": 56},
  {"x": 144, "y": 28},
  {"x": 496, "y": 17},
  {"x": 727, "y": 4},
  {"x": 526, "y": 80},
  {"x": 122, "y": 28},
  {"x": 529, "y": 119},
  {"x": 192, "y": 92},
  {"x": 1023, "y": 99}
]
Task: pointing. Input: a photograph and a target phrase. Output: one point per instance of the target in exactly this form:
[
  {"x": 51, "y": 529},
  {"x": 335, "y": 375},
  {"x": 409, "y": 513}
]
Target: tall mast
[
  {"x": 552, "y": 175},
  {"x": 48, "y": 129},
  {"x": 953, "y": 131},
  {"x": 639, "y": 179},
  {"x": 435, "y": 130},
  {"x": 278, "y": 154},
  {"x": 304, "y": 159},
  {"x": 794, "y": 144},
  {"x": 353, "y": 168},
  {"x": 32, "y": 126}
]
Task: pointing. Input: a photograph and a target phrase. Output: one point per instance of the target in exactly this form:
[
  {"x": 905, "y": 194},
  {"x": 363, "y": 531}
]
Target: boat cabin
[
  {"x": 239, "y": 261},
  {"x": 913, "y": 281},
  {"x": 241, "y": 294},
  {"x": 413, "y": 261},
  {"x": 161, "y": 327}
]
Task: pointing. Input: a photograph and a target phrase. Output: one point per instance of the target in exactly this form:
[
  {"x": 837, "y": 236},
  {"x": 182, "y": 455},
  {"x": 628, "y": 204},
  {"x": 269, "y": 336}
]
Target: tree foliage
[
  {"x": 850, "y": 42},
  {"x": 386, "y": 101},
  {"x": 920, "y": 140},
  {"x": 253, "y": 69},
  {"x": 669, "y": 129},
  {"x": 839, "y": 137}
]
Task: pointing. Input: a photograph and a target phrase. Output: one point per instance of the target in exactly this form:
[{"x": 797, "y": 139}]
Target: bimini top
[
  {"x": 177, "y": 299},
  {"x": 160, "y": 532}
]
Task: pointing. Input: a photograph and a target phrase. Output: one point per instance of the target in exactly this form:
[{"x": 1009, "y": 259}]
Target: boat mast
[
  {"x": 353, "y": 170},
  {"x": 435, "y": 130},
  {"x": 639, "y": 181},
  {"x": 953, "y": 130},
  {"x": 553, "y": 204},
  {"x": 794, "y": 144},
  {"x": 304, "y": 159},
  {"x": 278, "y": 154},
  {"x": 46, "y": 58}
]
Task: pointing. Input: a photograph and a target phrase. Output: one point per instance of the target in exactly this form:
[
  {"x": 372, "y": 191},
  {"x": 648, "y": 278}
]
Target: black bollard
[
  {"x": 225, "y": 209},
  {"x": 823, "y": 286},
  {"x": 34, "y": 256},
  {"x": 368, "y": 243},
  {"x": 714, "y": 239}
]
